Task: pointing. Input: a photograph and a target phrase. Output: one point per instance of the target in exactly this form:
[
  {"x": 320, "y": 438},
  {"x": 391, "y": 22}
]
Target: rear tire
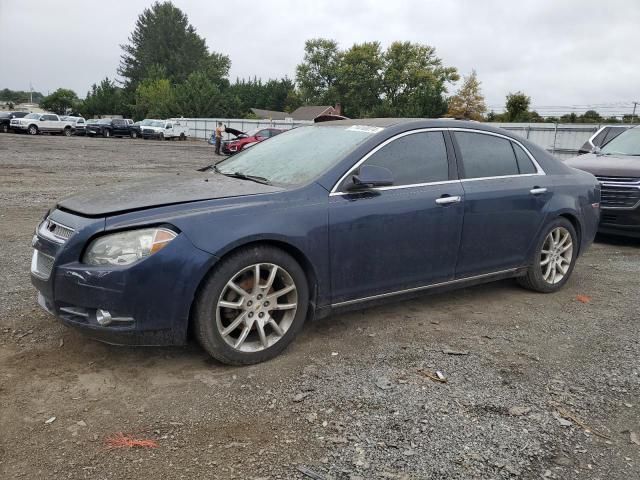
[
  {"x": 134, "y": 134},
  {"x": 555, "y": 258},
  {"x": 183, "y": 136},
  {"x": 106, "y": 133},
  {"x": 161, "y": 136},
  {"x": 239, "y": 320},
  {"x": 5, "y": 128},
  {"x": 68, "y": 132}
]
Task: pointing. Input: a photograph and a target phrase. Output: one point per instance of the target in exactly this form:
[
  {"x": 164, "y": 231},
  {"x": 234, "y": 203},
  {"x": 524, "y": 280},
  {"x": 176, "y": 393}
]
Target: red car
[{"x": 245, "y": 140}]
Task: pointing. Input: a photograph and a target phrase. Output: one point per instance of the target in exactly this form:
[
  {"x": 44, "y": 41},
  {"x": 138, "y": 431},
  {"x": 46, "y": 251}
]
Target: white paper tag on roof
[{"x": 364, "y": 128}]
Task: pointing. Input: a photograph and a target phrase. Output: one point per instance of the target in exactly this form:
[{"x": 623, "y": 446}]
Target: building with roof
[{"x": 308, "y": 113}]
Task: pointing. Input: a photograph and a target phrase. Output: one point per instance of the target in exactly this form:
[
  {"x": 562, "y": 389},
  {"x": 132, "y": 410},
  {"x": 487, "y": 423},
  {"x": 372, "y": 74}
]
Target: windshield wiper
[{"x": 243, "y": 176}]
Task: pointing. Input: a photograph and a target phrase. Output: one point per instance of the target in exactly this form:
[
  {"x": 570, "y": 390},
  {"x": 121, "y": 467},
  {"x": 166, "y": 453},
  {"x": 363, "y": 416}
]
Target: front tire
[
  {"x": 33, "y": 130},
  {"x": 251, "y": 306},
  {"x": 5, "y": 128},
  {"x": 106, "y": 133},
  {"x": 555, "y": 258},
  {"x": 134, "y": 134}
]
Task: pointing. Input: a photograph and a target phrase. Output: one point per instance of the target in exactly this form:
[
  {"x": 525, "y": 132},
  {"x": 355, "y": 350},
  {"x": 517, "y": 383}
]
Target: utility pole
[{"x": 633, "y": 115}]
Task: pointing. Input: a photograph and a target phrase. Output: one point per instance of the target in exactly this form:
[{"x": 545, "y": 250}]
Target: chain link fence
[{"x": 563, "y": 140}]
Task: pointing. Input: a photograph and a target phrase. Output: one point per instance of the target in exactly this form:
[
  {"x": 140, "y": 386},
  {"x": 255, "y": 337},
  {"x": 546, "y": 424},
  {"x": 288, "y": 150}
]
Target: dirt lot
[{"x": 539, "y": 386}]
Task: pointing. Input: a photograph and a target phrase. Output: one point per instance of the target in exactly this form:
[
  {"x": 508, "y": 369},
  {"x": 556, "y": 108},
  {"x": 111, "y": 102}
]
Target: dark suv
[
  {"x": 112, "y": 127},
  {"x": 6, "y": 117},
  {"x": 617, "y": 167}
]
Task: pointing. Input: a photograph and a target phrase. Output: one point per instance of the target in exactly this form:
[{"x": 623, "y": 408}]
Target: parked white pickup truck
[
  {"x": 36, "y": 123},
  {"x": 161, "y": 129}
]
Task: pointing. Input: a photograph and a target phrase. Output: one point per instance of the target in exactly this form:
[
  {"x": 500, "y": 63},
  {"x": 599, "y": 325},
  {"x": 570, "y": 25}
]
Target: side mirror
[{"x": 371, "y": 176}]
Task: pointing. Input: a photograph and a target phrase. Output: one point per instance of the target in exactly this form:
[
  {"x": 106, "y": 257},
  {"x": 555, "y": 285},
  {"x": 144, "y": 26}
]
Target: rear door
[
  {"x": 50, "y": 123},
  {"x": 505, "y": 193},
  {"x": 400, "y": 237}
]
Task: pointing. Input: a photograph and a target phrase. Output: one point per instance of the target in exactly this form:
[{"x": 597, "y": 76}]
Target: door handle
[
  {"x": 538, "y": 190},
  {"x": 448, "y": 200}
]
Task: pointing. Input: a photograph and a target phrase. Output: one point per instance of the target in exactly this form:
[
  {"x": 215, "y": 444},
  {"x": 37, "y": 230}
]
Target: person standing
[{"x": 219, "y": 130}]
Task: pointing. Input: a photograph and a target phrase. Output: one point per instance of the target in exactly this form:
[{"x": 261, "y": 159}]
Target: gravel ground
[{"x": 537, "y": 386}]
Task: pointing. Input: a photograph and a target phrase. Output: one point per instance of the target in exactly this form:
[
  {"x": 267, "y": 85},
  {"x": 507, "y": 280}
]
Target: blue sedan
[{"x": 322, "y": 218}]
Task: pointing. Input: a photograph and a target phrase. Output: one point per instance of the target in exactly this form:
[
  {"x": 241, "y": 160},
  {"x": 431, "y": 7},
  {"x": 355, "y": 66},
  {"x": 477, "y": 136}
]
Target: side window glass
[
  {"x": 169, "y": 126},
  {"x": 598, "y": 140},
  {"x": 485, "y": 155},
  {"x": 525, "y": 165},
  {"x": 415, "y": 158}
]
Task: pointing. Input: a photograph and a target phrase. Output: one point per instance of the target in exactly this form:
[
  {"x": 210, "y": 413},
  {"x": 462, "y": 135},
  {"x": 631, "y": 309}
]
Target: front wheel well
[{"x": 296, "y": 253}]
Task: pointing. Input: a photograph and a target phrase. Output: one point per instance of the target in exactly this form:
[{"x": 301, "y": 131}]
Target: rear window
[
  {"x": 486, "y": 155},
  {"x": 525, "y": 165}
]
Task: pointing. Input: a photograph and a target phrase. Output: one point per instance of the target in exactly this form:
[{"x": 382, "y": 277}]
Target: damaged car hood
[{"x": 160, "y": 191}]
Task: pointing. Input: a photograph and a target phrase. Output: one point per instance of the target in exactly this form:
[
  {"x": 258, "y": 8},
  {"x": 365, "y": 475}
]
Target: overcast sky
[{"x": 561, "y": 53}]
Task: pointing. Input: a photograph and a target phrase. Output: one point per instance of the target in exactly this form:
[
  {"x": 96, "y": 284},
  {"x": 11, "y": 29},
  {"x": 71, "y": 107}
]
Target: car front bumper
[
  {"x": 18, "y": 126},
  {"x": 148, "y": 302},
  {"x": 620, "y": 222}
]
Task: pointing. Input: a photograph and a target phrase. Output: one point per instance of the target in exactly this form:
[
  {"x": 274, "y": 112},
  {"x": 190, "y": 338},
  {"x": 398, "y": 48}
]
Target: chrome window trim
[
  {"x": 424, "y": 287},
  {"x": 334, "y": 190},
  {"x": 539, "y": 169}
]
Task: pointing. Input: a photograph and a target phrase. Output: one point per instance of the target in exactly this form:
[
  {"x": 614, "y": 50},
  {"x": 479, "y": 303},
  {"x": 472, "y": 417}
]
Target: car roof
[{"x": 410, "y": 122}]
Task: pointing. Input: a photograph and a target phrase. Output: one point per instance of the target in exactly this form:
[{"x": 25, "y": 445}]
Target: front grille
[
  {"x": 55, "y": 231},
  {"x": 619, "y": 192},
  {"x": 613, "y": 179},
  {"x": 41, "y": 265}
]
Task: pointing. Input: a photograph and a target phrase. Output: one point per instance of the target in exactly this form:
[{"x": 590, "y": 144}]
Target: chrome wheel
[
  {"x": 256, "y": 307},
  {"x": 556, "y": 255}
]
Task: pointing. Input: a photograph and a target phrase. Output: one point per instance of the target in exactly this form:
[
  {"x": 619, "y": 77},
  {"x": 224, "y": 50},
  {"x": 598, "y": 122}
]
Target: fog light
[{"x": 103, "y": 317}]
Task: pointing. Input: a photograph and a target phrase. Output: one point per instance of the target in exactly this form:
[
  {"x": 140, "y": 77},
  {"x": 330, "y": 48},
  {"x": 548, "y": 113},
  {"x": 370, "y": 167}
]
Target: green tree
[
  {"x": 164, "y": 44},
  {"x": 517, "y": 107},
  {"x": 106, "y": 98},
  {"x": 198, "y": 96},
  {"x": 415, "y": 81},
  {"x": 155, "y": 99},
  {"x": 468, "y": 102},
  {"x": 591, "y": 116},
  {"x": 60, "y": 101},
  {"x": 359, "y": 79},
  {"x": 316, "y": 75}
]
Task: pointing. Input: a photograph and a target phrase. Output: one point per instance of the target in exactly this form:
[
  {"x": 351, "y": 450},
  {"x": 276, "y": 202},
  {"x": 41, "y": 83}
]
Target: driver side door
[{"x": 388, "y": 239}]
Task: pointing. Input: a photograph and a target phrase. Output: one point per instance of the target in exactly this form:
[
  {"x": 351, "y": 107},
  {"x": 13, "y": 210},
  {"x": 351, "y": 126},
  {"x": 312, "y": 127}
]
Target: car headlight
[{"x": 125, "y": 248}]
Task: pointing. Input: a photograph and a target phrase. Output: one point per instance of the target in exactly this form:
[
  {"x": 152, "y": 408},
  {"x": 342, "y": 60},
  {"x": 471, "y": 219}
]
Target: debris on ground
[
  {"x": 519, "y": 411},
  {"x": 633, "y": 438},
  {"x": 120, "y": 440},
  {"x": 50, "y": 420},
  {"x": 310, "y": 473},
  {"x": 383, "y": 383},
  {"x": 437, "y": 377},
  {"x": 448, "y": 351},
  {"x": 564, "y": 413},
  {"x": 583, "y": 298},
  {"x": 301, "y": 396}
]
